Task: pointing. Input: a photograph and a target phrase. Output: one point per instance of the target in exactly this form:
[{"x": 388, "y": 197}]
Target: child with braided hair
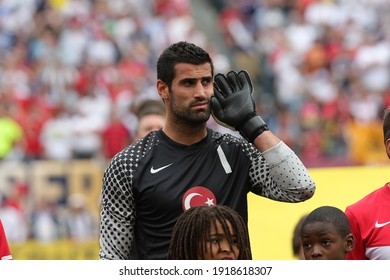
[{"x": 210, "y": 233}]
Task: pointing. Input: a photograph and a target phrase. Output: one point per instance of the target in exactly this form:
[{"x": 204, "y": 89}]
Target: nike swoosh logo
[
  {"x": 152, "y": 170},
  {"x": 379, "y": 225}
]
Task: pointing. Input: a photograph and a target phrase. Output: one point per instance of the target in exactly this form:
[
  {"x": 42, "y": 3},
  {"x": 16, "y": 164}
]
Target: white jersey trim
[{"x": 222, "y": 157}]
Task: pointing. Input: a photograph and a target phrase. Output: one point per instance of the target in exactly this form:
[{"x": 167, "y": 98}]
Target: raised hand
[{"x": 233, "y": 106}]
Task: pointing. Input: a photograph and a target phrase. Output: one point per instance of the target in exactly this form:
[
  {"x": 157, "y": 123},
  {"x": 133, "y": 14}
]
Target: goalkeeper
[{"x": 149, "y": 184}]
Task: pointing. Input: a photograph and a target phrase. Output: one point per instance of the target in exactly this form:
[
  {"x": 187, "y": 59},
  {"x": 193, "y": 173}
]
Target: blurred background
[{"x": 74, "y": 72}]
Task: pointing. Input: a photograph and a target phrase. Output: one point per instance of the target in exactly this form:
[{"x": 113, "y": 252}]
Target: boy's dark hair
[
  {"x": 181, "y": 52},
  {"x": 386, "y": 124},
  {"x": 329, "y": 214},
  {"x": 192, "y": 231}
]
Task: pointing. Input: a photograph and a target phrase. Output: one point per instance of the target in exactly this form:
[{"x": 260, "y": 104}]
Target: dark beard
[{"x": 188, "y": 115}]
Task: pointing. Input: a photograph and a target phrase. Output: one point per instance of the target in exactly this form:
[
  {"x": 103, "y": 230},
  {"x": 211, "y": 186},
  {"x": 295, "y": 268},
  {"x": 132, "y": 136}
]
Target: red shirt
[
  {"x": 115, "y": 138},
  {"x": 370, "y": 224},
  {"x": 5, "y": 253}
]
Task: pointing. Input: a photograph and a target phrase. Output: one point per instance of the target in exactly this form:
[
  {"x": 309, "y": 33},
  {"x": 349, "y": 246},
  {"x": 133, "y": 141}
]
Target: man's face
[{"x": 191, "y": 90}]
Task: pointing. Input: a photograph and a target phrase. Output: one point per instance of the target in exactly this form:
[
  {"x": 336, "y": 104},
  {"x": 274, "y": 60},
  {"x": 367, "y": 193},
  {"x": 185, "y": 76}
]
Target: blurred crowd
[
  {"x": 74, "y": 72},
  {"x": 73, "y": 69},
  {"x": 323, "y": 67},
  {"x": 47, "y": 220},
  {"x": 70, "y": 70}
]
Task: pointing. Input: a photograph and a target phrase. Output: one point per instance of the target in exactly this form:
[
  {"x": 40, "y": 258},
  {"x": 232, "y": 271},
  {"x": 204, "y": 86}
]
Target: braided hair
[{"x": 192, "y": 231}]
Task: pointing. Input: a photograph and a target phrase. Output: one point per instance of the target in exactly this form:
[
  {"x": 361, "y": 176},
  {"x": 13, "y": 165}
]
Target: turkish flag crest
[{"x": 198, "y": 196}]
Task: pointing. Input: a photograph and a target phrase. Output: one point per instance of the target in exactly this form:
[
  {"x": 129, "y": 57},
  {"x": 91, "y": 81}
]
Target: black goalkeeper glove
[{"x": 232, "y": 105}]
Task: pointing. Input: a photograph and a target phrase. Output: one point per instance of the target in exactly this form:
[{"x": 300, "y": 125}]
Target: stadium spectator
[
  {"x": 56, "y": 135},
  {"x": 81, "y": 224},
  {"x": 47, "y": 221},
  {"x": 11, "y": 133},
  {"x": 150, "y": 115},
  {"x": 115, "y": 136},
  {"x": 14, "y": 221}
]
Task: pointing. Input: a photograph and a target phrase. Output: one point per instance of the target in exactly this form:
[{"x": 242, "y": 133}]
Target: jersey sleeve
[
  {"x": 117, "y": 214},
  {"x": 280, "y": 175}
]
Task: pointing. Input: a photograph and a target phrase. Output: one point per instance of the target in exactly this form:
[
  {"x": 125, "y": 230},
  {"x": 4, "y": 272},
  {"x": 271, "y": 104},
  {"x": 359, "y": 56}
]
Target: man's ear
[
  {"x": 350, "y": 243},
  {"x": 163, "y": 90}
]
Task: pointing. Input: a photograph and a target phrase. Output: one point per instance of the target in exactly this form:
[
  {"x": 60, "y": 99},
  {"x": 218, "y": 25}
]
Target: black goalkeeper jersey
[{"x": 153, "y": 181}]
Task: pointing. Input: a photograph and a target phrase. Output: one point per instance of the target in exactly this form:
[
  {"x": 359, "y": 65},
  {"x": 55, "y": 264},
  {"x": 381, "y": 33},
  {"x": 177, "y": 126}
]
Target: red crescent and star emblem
[{"x": 198, "y": 196}]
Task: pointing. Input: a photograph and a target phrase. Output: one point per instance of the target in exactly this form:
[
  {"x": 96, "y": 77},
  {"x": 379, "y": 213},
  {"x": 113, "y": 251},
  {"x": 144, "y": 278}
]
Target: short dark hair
[
  {"x": 386, "y": 124},
  {"x": 332, "y": 215},
  {"x": 192, "y": 230},
  {"x": 180, "y": 52}
]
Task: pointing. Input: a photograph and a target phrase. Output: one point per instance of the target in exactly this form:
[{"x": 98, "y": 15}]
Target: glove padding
[{"x": 232, "y": 105}]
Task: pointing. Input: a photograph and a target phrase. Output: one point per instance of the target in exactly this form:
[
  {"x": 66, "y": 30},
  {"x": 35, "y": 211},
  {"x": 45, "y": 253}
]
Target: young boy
[
  {"x": 210, "y": 233},
  {"x": 326, "y": 234}
]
